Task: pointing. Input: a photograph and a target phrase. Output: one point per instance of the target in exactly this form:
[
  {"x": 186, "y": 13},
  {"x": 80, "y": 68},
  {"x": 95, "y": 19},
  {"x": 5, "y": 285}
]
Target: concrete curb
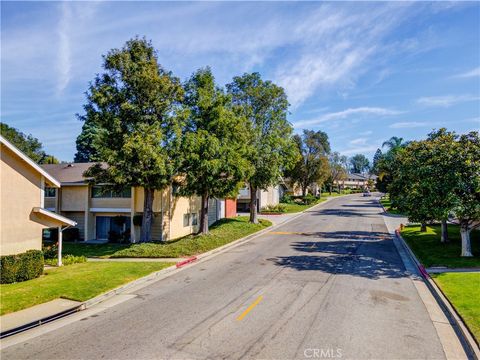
[
  {"x": 158, "y": 275},
  {"x": 466, "y": 338}
]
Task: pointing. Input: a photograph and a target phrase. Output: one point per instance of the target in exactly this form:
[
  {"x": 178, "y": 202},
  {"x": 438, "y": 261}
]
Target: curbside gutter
[
  {"x": 466, "y": 338},
  {"x": 156, "y": 276}
]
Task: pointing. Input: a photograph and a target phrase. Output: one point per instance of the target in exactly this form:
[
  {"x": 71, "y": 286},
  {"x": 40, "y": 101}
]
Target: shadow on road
[{"x": 365, "y": 254}]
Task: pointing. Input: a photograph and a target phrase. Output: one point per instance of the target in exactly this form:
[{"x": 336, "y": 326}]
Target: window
[
  {"x": 190, "y": 219},
  {"x": 194, "y": 217},
  {"x": 103, "y": 192},
  {"x": 50, "y": 192}
]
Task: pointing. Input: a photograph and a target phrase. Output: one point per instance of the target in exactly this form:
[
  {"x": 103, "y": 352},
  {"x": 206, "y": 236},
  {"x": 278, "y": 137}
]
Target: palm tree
[{"x": 393, "y": 143}]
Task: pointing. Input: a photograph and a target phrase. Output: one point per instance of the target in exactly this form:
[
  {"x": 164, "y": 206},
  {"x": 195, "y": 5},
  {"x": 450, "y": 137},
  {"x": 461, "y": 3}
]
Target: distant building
[
  {"x": 270, "y": 196},
  {"x": 356, "y": 181}
]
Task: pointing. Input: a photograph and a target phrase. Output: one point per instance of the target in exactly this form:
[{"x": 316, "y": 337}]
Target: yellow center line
[{"x": 255, "y": 303}]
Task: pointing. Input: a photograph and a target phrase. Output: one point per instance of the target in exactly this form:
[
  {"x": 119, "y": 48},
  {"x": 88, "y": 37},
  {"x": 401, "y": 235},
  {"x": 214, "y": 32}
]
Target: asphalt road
[{"x": 328, "y": 284}]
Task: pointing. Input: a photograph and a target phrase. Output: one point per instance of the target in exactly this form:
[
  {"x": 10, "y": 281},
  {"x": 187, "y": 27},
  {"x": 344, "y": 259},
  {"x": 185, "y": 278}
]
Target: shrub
[
  {"x": 50, "y": 252},
  {"x": 286, "y": 199},
  {"x": 67, "y": 260},
  {"x": 309, "y": 199},
  {"x": 279, "y": 208},
  {"x": 21, "y": 267}
]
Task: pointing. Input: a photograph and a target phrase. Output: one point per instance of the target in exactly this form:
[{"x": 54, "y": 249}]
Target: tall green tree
[
  {"x": 312, "y": 165},
  {"x": 376, "y": 161},
  {"x": 134, "y": 107},
  {"x": 359, "y": 163},
  {"x": 265, "y": 106},
  {"x": 86, "y": 150},
  {"x": 338, "y": 169},
  {"x": 28, "y": 144},
  {"x": 466, "y": 164},
  {"x": 214, "y": 149}
]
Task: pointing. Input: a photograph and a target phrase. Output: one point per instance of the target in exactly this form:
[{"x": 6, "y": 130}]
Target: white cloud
[
  {"x": 407, "y": 125},
  {"x": 359, "y": 150},
  {"x": 360, "y": 111},
  {"x": 472, "y": 73},
  {"x": 340, "y": 45},
  {"x": 64, "y": 64},
  {"x": 358, "y": 141},
  {"x": 446, "y": 101}
]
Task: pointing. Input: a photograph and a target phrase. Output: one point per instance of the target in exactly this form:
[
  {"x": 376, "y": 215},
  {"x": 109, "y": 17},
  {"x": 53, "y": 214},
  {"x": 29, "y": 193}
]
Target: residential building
[
  {"x": 23, "y": 215},
  {"x": 355, "y": 181},
  {"x": 270, "y": 196},
  {"x": 104, "y": 214}
]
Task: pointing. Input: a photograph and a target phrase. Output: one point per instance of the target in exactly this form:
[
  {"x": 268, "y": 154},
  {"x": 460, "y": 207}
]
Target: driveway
[{"x": 327, "y": 284}]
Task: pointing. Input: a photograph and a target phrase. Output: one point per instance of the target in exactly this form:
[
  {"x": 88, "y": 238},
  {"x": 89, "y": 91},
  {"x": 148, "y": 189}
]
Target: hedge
[{"x": 21, "y": 267}]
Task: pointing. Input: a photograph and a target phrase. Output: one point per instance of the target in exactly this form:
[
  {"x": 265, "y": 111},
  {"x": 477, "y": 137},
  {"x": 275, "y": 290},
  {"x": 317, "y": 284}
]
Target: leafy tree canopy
[
  {"x": 312, "y": 166},
  {"x": 359, "y": 163},
  {"x": 265, "y": 107},
  {"x": 214, "y": 146},
  {"x": 133, "y": 107}
]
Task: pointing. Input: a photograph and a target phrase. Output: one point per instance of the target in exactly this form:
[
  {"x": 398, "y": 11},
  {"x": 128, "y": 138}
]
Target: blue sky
[{"x": 361, "y": 72}]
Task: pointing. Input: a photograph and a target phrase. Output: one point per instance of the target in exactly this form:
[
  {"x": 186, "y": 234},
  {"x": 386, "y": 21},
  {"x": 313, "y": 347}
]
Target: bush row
[{"x": 21, "y": 267}]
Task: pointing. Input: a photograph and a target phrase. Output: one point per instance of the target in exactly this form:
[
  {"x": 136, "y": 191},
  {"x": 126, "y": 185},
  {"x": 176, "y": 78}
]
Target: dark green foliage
[
  {"x": 133, "y": 123},
  {"x": 359, "y": 164},
  {"x": 312, "y": 166},
  {"x": 86, "y": 151},
  {"x": 214, "y": 146},
  {"x": 272, "y": 150},
  {"x": 21, "y": 267},
  {"x": 28, "y": 144}
]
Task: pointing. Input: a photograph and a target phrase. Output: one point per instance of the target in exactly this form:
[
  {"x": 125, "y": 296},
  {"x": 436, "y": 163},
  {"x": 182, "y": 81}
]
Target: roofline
[
  {"x": 29, "y": 161},
  {"x": 55, "y": 216}
]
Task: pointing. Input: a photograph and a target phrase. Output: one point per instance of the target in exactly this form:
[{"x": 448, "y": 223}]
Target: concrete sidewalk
[{"x": 39, "y": 313}]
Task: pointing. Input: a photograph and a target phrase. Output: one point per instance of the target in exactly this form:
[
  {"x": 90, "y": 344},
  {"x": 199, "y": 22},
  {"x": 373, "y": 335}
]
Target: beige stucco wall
[
  {"x": 181, "y": 206},
  {"x": 117, "y": 203},
  {"x": 73, "y": 198},
  {"x": 20, "y": 191}
]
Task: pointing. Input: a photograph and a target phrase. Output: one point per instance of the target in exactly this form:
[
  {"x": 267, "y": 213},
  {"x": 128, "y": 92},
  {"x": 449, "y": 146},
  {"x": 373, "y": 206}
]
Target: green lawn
[
  {"x": 385, "y": 201},
  {"x": 221, "y": 233},
  {"x": 76, "y": 282},
  {"x": 294, "y": 208},
  {"x": 431, "y": 252},
  {"x": 463, "y": 291}
]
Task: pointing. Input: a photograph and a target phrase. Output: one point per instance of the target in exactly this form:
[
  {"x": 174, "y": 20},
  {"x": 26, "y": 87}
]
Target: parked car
[{"x": 367, "y": 193}]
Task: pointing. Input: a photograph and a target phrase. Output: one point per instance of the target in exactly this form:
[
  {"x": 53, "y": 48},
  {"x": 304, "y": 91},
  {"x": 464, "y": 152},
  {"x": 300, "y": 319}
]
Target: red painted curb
[{"x": 185, "y": 262}]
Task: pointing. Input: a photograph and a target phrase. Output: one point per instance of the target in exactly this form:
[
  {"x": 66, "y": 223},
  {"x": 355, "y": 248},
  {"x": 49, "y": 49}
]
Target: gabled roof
[
  {"x": 48, "y": 177},
  {"x": 70, "y": 173},
  {"x": 356, "y": 177}
]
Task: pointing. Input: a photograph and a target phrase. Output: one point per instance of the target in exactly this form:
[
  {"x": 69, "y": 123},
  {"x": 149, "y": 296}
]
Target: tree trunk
[
  {"x": 147, "y": 219},
  {"x": 423, "y": 227},
  {"x": 465, "y": 234},
  {"x": 253, "y": 205},
  {"x": 204, "y": 215},
  {"x": 304, "y": 190},
  {"x": 444, "y": 235},
  {"x": 330, "y": 189}
]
